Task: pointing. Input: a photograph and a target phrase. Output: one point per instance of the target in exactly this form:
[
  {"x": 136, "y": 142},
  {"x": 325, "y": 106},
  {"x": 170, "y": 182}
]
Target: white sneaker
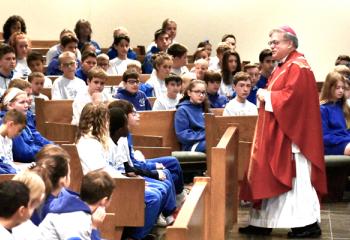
[
  {"x": 169, "y": 220},
  {"x": 161, "y": 221},
  {"x": 180, "y": 198}
]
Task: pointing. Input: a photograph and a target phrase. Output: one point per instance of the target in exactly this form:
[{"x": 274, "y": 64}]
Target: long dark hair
[
  {"x": 205, "y": 104},
  {"x": 227, "y": 75}
]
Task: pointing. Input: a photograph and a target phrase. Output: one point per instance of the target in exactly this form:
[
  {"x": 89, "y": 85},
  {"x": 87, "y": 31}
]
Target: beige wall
[{"x": 322, "y": 26}]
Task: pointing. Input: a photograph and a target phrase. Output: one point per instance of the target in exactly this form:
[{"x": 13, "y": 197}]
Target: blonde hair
[{"x": 34, "y": 182}]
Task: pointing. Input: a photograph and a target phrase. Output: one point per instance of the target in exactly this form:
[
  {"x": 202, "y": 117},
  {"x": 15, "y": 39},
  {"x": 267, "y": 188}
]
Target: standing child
[
  {"x": 173, "y": 84},
  {"x": 21, "y": 44},
  {"x": 35, "y": 62},
  {"x": 7, "y": 66},
  {"x": 213, "y": 80},
  {"x": 88, "y": 61},
  {"x": 231, "y": 64},
  {"x": 239, "y": 106},
  {"x": 37, "y": 80},
  {"x": 67, "y": 86},
  {"x": 189, "y": 117}
]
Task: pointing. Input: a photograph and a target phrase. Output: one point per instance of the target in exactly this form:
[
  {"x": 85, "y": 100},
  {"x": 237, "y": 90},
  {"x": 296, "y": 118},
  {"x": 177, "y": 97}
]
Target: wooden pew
[
  {"x": 43, "y": 43},
  {"x": 41, "y": 50},
  {"x": 127, "y": 203},
  {"x": 46, "y": 92},
  {"x": 5, "y": 177},
  {"x": 217, "y": 111},
  {"x": 115, "y": 80}
]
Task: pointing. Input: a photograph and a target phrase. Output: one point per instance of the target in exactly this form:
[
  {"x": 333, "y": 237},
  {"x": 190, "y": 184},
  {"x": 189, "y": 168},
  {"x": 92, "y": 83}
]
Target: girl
[
  {"x": 231, "y": 64},
  {"x": 336, "y": 137},
  {"x": 21, "y": 44},
  {"x": 189, "y": 118},
  {"x": 206, "y": 45},
  {"x": 170, "y": 27},
  {"x": 83, "y": 31},
  {"x": 200, "y": 53},
  {"x": 13, "y": 24},
  {"x": 30, "y": 141},
  {"x": 155, "y": 86}
]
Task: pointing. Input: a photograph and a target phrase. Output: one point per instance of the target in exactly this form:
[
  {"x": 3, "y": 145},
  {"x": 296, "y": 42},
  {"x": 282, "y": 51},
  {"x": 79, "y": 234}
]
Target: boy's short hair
[
  {"x": 65, "y": 55},
  {"x": 158, "y": 33},
  {"x": 173, "y": 78},
  {"x": 119, "y": 38},
  {"x": 337, "y": 61},
  {"x": 250, "y": 65},
  {"x": 177, "y": 50},
  {"x": 134, "y": 65},
  {"x": 87, "y": 54},
  {"x": 102, "y": 56},
  {"x": 264, "y": 54},
  {"x": 15, "y": 116},
  {"x": 126, "y": 106},
  {"x": 67, "y": 39},
  {"x": 35, "y": 56},
  {"x": 33, "y": 75},
  {"x": 240, "y": 76},
  {"x": 130, "y": 74},
  {"x": 13, "y": 195},
  {"x": 19, "y": 83},
  {"x": 226, "y": 36},
  {"x": 5, "y": 49},
  {"x": 96, "y": 72},
  {"x": 95, "y": 186},
  {"x": 212, "y": 76},
  {"x": 222, "y": 47}
]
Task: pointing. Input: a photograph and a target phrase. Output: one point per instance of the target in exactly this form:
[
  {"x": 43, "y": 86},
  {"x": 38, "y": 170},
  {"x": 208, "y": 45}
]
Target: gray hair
[{"x": 287, "y": 36}]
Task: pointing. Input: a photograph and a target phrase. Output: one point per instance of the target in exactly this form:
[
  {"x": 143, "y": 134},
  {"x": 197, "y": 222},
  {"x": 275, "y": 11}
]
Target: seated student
[
  {"x": 11, "y": 125},
  {"x": 85, "y": 213},
  {"x": 186, "y": 80},
  {"x": 215, "y": 63},
  {"x": 343, "y": 60},
  {"x": 30, "y": 141},
  {"x": 230, "y": 39},
  {"x": 69, "y": 43},
  {"x": 103, "y": 61},
  {"x": 21, "y": 44},
  {"x": 92, "y": 93},
  {"x": 67, "y": 86},
  {"x": 253, "y": 71},
  {"x": 336, "y": 137},
  {"x": 231, "y": 64},
  {"x": 35, "y": 62},
  {"x": 118, "y": 65},
  {"x": 213, "y": 80},
  {"x": 206, "y": 45},
  {"x": 170, "y": 27},
  {"x": 239, "y": 106},
  {"x": 36, "y": 80},
  {"x": 161, "y": 39},
  {"x": 83, "y": 32},
  {"x": 200, "y": 67},
  {"x": 7, "y": 67},
  {"x": 14, "y": 208},
  {"x": 13, "y": 24},
  {"x": 155, "y": 85},
  {"x": 189, "y": 117},
  {"x": 200, "y": 53},
  {"x": 131, "y": 91},
  {"x": 173, "y": 85},
  {"x": 88, "y": 61},
  {"x": 179, "y": 54},
  {"x": 28, "y": 230},
  {"x": 266, "y": 67},
  {"x": 113, "y": 51},
  {"x": 24, "y": 86}
]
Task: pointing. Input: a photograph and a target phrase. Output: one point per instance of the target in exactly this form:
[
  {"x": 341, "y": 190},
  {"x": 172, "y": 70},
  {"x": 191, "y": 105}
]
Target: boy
[
  {"x": 253, "y": 71},
  {"x": 67, "y": 86},
  {"x": 239, "y": 106},
  {"x": 113, "y": 52},
  {"x": 266, "y": 67},
  {"x": 131, "y": 91},
  {"x": 230, "y": 39},
  {"x": 161, "y": 39},
  {"x": 88, "y": 61},
  {"x": 215, "y": 63},
  {"x": 14, "y": 209},
  {"x": 213, "y": 80},
  {"x": 92, "y": 93},
  {"x": 173, "y": 84},
  {"x": 179, "y": 54},
  {"x": 103, "y": 61},
  {"x": 35, "y": 62},
  {"x": 200, "y": 67},
  {"x": 37, "y": 79},
  {"x": 68, "y": 43},
  {"x": 7, "y": 66},
  {"x": 12, "y": 124},
  {"x": 80, "y": 217}
]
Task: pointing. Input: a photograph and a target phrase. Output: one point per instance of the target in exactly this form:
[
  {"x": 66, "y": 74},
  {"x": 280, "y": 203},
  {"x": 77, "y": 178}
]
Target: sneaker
[
  {"x": 170, "y": 220},
  {"x": 161, "y": 222},
  {"x": 180, "y": 199}
]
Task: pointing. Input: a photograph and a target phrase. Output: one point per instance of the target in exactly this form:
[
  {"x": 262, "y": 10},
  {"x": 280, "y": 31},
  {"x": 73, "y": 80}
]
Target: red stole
[{"x": 295, "y": 119}]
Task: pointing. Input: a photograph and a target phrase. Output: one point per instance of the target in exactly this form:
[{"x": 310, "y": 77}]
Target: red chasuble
[{"x": 295, "y": 119}]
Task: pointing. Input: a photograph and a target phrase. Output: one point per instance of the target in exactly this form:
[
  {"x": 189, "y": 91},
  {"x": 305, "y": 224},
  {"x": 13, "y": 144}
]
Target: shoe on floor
[
  {"x": 253, "y": 230},
  {"x": 309, "y": 231},
  {"x": 170, "y": 220},
  {"x": 161, "y": 222}
]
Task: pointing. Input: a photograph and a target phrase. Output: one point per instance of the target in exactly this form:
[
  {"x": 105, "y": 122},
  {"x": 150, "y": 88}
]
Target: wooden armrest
[
  {"x": 147, "y": 140},
  {"x": 154, "y": 152}
]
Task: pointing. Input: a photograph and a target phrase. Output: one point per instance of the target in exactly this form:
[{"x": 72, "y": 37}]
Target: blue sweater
[
  {"x": 262, "y": 81},
  {"x": 147, "y": 66},
  {"x": 80, "y": 74},
  {"x": 189, "y": 124},
  {"x": 335, "y": 133},
  {"x": 217, "y": 100},
  {"x": 96, "y": 45},
  {"x": 139, "y": 164},
  {"x": 113, "y": 53},
  {"x": 139, "y": 100}
]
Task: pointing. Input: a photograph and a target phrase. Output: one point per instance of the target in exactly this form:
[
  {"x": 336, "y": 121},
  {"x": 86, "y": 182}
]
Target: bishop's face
[{"x": 280, "y": 46}]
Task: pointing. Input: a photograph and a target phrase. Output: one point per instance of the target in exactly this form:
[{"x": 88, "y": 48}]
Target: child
[
  {"x": 253, "y": 71},
  {"x": 14, "y": 209},
  {"x": 24, "y": 86},
  {"x": 179, "y": 54},
  {"x": 85, "y": 214},
  {"x": 230, "y": 39},
  {"x": 92, "y": 93},
  {"x": 200, "y": 67},
  {"x": 21, "y": 44},
  {"x": 336, "y": 137},
  {"x": 69, "y": 43},
  {"x": 213, "y": 80},
  {"x": 113, "y": 52},
  {"x": 231, "y": 64},
  {"x": 161, "y": 39},
  {"x": 189, "y": 119},
  {"x": 119, "y": 64},
  {"x": 200, "y": 53},
  {"x": 7, "y": 66},
  {"x": 215, "y": 63},
  {"x": 266, "y": 67},
  {"x": 169, "y": 26},
  {"x": 88, "y": 61},
  {"x": 37, "y": 80},
  {"x": 67, "y": 86},
  {"x": 13, "y": 24},
  {"x": 83, "y": 31},
  {"x": 35, "y": 62},
  {"x": 103, "y": 61},
  {"x": 239, "y": 106},
  {"x": 155, "y": 86},
  {"x": 12, "y": 124},
  {"x": 173, "y": 84},
  {"x": 206, "y": 45},
  {"x": 131, "y": 91},
  {"x": 30, "y": 141}
]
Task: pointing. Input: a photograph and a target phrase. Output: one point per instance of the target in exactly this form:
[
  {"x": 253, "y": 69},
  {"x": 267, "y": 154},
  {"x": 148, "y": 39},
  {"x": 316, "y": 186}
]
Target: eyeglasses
[
  {"x": 199, "y": 92},
  {"x": 133, "y": 82},
  {"x": 275, "y": 42},
  {"x": 68, "y": 64}
]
